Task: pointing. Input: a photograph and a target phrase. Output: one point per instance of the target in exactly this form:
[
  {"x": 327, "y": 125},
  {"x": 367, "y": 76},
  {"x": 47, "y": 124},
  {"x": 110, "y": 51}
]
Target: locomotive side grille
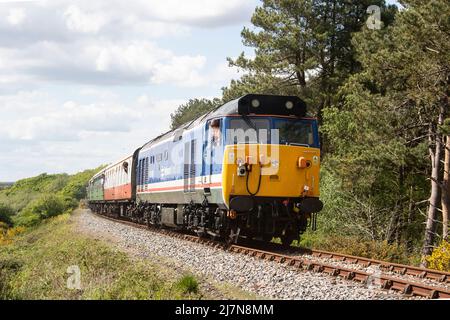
[
  {"x": 146, "y": 173},
  {"x": 186, "y": 166},
  {"x": 192, "y": 167}
]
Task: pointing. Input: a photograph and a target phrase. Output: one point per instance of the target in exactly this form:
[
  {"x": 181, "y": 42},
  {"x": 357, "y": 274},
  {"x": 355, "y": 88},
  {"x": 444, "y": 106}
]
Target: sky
[{"x": 84, "y": 83}]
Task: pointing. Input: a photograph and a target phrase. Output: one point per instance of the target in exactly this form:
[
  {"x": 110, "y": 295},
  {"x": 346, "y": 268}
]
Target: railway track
[
  {"x": 439, "y": 277},
  {"x": 412, "y": 285}
]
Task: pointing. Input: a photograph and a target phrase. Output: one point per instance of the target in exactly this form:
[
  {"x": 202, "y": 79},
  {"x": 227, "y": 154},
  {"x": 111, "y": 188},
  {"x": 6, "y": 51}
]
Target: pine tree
[
  {"x": 406, "y": 68},
  {"x": 445, "y": 195},
  {"x": 306, "y": 45},
  {"x": 191, "y": 110}
]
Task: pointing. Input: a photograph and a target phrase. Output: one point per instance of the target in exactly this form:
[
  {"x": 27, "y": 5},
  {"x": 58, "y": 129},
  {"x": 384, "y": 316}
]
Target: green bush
[
  {"x": 27, "y": 219},
  {"x": 44, "y": 207},
  {"x": 188, "y": 284},
  {"x": 43, "y": 196},
  {"x": 76, "y": 185},
  {"x": 6, "y": 213}
]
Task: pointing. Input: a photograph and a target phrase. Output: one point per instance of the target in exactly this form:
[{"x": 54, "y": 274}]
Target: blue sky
[{"x": 82, "y": 82}]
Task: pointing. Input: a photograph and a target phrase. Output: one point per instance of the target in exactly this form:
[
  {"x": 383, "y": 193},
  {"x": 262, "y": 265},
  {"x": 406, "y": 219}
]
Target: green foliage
[
  {"x": 75, "y": 188},
  {"x": 44, "y": 196},
  {"x": 305, "y": 46},
  {"x": 260, "y": 83},
  {"x": 43, "y": 183},
  {"x": 25, "y": 191},
  {"x": 6, "y": 212},
  {"x": 192, "y": 110},
  {"x": 445, "y": 127},
  {"x": 188, "y": 284},
  {"x": 46, "y": 206},
  {"x": 378, "y": 137},
  {"x": 27, "y": 219}
]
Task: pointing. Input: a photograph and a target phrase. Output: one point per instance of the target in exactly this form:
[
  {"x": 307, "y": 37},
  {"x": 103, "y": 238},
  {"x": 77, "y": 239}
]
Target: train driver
[{"x": 216, "y": 133}]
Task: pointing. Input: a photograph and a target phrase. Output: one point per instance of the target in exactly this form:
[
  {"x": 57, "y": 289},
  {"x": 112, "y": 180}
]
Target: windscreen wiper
[{"x": 249, "y": 123}]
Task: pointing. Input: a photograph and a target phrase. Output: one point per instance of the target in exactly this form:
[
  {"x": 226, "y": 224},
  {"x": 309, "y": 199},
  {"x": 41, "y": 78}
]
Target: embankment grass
[{"x": 35, "y": 265}]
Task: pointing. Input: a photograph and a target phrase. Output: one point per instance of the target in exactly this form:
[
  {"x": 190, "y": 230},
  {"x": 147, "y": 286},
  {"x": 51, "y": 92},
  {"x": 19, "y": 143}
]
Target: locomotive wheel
[
  {"x": 287, "y": 239},
  {"x": 289, "y": 236}
]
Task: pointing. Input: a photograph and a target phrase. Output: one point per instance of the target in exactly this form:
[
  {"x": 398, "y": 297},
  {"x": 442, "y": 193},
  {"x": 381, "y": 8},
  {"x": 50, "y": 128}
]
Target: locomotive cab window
[
  {"x": 295, "y": 132},
  {"x": 250, "y": 130}
]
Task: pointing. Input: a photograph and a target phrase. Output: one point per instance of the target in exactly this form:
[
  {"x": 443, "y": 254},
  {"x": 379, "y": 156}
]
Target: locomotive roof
[{"x": 245, "y": 105}]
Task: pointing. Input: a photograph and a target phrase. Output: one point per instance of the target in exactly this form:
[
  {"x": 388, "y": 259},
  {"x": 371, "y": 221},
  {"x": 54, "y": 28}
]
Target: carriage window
[{"x": 159, "y": 157}]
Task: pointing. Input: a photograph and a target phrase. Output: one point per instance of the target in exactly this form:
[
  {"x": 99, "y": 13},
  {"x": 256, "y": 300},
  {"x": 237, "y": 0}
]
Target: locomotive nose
[{"x": 285, "y": 171}]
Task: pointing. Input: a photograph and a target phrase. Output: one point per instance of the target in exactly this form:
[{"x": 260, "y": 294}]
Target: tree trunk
[
  {"x": 435, "y": 157},
  {"x": 445, "y": 196},
  {"x": 410, "y": 219}
]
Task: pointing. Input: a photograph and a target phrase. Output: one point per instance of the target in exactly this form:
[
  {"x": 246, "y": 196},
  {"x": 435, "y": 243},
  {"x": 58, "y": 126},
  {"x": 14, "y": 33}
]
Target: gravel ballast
[{"x": 263, "y": 278}]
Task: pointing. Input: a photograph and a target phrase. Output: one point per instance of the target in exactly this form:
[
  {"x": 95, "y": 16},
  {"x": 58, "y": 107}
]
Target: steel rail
[{"x": 401, "y": 269}]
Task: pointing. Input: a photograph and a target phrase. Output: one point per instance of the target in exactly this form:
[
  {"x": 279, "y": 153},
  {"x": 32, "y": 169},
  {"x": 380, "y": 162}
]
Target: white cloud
[
  {"x": 109, "y": 42},
  {"x": 16, "y": 16},
  {"x": 183, "y": 70},
  {"x": 37, "y": 117},
  {"x": 105, "y": 62},
  {"x": 40, "y": 134},
  {"x": 84, "y": 82},
  {"x": 198, "y": 12},
  {"x": 77, "y": 20}
]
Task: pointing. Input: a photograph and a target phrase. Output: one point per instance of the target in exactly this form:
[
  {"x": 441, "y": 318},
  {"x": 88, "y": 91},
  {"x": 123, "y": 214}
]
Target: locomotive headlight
[
  {"x": 255, "y": 103},
  {"x": 289, "y": 105}
]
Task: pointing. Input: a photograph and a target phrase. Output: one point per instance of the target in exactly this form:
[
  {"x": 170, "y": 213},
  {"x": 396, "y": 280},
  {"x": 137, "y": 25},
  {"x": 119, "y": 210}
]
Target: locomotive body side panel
[{"x": 176, "y": 171}]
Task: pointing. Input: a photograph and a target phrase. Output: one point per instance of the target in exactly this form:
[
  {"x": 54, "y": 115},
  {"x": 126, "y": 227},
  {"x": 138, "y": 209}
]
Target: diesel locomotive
[{"x": 249, "y": 168}]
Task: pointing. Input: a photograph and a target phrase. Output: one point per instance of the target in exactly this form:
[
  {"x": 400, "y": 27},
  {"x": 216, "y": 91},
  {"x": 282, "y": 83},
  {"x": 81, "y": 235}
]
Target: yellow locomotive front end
[
  {"x": 276, "y": 171},
  {"x": 271, "y": 190},
  {"x": 271, "y": 165}
]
